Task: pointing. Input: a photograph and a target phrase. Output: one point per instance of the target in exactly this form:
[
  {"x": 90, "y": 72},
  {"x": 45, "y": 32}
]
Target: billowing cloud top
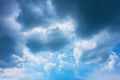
[{"x": 59, "y": 39}]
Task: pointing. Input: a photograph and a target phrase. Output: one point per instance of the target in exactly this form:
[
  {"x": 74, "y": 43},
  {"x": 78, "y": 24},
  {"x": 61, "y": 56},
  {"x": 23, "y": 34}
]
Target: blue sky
[{"x": 59, "y": 40}]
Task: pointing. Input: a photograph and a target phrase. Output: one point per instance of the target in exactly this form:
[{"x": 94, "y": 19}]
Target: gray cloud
[
  {"x": 54, "y": 42},
  {"x": 6, "y": 8},
  {"x": 104, "y": 47},
  {"x": 7, "y": 45},
  {"x": 33, "y": 13},
  {"x": 8, "y": 34}
]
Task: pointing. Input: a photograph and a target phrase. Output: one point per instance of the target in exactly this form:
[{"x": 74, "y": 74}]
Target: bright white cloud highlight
[
  {"x": 12, "y": 74},
  {"x": 81, "y": 46}
]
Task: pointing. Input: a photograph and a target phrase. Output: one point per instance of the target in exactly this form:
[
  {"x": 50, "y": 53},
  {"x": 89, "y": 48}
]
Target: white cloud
[
  {"x": 108, "y": 70},
  {"x": 81, "y": 46},
  {"x": 38, "y": 33},
  {"x": 11, "y": 19},
  {"x": 61, "y": 62},
  {"x": 111, "y": 63},
  {"x": 35, "y": 60},
  {"x": 30, "y": 66},
  {"x": 77, "y": 54},
  {"x": 67, "y": 26},
  {"x": 12, "y": 74},
  {"x": 64, "y": 28},
  {"x": 94, "y": 49},
  {"x": 48, "y": 66},
  {"x": 86, "y": 44}
]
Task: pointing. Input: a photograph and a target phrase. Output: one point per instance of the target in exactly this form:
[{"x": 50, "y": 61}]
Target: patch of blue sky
[{"x": 116, "y": 49}]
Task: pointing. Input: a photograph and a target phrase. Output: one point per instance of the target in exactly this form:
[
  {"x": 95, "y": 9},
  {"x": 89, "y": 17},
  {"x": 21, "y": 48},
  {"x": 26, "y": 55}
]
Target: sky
[{"x": 59, "y": 39}]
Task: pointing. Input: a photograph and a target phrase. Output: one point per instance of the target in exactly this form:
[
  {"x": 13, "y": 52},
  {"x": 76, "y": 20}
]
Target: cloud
[
  {"x": 49, "y": 66},
  {"x": 35, "y": 60},
  {"x": 9, "y": 32},
  {"x": 34, "y": 13},
  {"x": 112, "y": 63},
  {"x": 67, "y": 26},
  {"x": 95, "y": 50},
  {"x": 41, "y": 39},
  {"x": 64, "y": 60},
  {"x": 91, "y": 16},
  {"x": 7, "y": 8},
  {"x": 12, "y": 74},
  {"x": 34, "y": 66},
  {"x": 8, "y": 44},
  {"x": 107, "y": 70}
]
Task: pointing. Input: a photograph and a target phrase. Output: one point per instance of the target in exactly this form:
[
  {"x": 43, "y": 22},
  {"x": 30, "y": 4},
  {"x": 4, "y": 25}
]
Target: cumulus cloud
[
  {"x": 81, "y": 46},
  {"x": 39, "y": 39},
  {"x": 96, "y": 49},
  {"x": 34, "y": 60},
  {"x": 33, "y": 66}
]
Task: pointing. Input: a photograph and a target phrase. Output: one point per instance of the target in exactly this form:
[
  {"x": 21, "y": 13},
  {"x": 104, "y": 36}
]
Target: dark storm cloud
[
  {"x": 91, "y": 16},
  {"x": 7, "y": 34},
  {"x": 7, "y": 45},
  {"x": 33, "y": 13},
  {"x": 55, "y": 41}
]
